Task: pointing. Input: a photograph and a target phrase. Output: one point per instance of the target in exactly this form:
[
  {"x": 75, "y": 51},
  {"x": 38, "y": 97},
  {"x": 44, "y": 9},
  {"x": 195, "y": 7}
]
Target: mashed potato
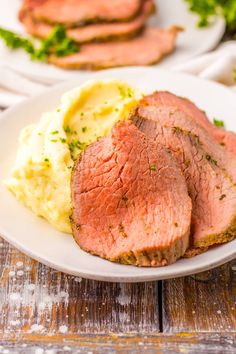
[{"x": 42, "y": 173}]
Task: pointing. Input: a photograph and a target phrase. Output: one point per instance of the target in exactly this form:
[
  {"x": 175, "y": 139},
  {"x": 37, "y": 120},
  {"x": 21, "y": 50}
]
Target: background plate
[
  {"x": 192, "y": 42},
  {"x": 38, "y": 239}
]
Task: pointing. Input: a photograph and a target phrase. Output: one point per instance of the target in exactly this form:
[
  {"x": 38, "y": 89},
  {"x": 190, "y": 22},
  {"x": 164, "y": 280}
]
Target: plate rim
[{"x": 113, "y": 277}]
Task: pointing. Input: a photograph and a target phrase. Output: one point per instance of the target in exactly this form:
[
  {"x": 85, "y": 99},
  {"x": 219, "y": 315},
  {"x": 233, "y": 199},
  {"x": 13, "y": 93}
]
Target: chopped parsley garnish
[
  {"x": 55, "y": 132},
  {"x": 125, "y": 92},
  {"x": 82, "y": 114},
  {"x": 67, "y": 129},
  {"x": 46, "y": 159},
  {"x": 76, "y": 145},
  {"x": 153, "y": 167},
  {"x": 54, "y": 141},
  {"x": 208, "y": 9},
  {"x": 57, "y": 43},
  {"x": 84, "y": 129},
  {"x": 58, "y": 110},
  {"x": 62, "y": 140},
  {"x": 130, "y": 92},
  {"x": 209, "y": 158},
  {"x": 122, "y": 92},
  {"x": 116, "y": 109},
  {"x": 15, "y": 41},
  {"x": 218, "y": 123}
]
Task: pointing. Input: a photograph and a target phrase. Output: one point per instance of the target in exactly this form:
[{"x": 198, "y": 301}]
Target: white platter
[
  {"x": 35, "y": 237},
  {"x": 192, "y": 42}
]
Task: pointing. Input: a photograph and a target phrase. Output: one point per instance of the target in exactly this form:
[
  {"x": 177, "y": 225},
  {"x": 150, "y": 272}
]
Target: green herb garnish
[
  {"x": 153, "y": 167},
  {"x": 67, "y": 129},
  {"x": 84, "y": 129},
  {"x": 210, "y": 159},
  {"x": 122, "y": 92},
  {"x": 208, "y": 9},
  {"x": 57, "y": 43},
  {"x": 15, "y": 41},
  {"x": 62, "y": 140},
  {"x": 130, "y": 92},
  {"x": 54, "y": 132},
  {"x": 75, "y": 145},
  {"x": 218, "y": 123}
]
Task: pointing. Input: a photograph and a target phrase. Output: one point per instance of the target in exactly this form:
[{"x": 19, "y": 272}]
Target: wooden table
[{"x": 43, "y": 311}]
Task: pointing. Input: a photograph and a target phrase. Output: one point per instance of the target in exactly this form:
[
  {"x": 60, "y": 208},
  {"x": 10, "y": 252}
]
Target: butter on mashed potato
[{"x": 42, "y": 173}]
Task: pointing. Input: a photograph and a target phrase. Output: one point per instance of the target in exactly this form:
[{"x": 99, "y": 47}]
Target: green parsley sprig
[
  {"x": 15, "y": 41},
  {"x": 56, "y": 43},
  {"x": 218, "y": 123},
  {"x": 206, "y": 9}
]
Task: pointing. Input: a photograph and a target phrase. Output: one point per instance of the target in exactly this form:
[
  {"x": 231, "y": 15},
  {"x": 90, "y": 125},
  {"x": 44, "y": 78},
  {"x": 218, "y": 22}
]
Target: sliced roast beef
[
  {"x": 93, "y": 32},
  {"x": 225, "y": 138},
  {"x": 177, "y": 116},
  {"x": 148, "y": 48},
  {"x": 130, "y": 200},
  {"x": 210, "y": 180},
  {"x": 73, "y": 13}
]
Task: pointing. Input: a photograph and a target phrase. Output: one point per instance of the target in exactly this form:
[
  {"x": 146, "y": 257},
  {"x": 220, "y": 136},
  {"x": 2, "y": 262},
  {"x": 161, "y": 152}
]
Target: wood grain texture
[
  {"x": 160, "y": 344},
  {"x": 201, "y": 303},
  {"x": 38, "y": 301}
]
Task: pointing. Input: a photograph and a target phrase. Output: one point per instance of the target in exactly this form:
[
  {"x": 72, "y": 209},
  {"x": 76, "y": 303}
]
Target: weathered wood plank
[
  {"x": 205, "y": 302},
  {"x": 162, "y": 344},
  {"x": 36, "y": 300}
]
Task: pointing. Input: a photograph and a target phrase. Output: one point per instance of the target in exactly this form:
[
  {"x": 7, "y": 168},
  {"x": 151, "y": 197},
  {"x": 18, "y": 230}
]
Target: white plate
[
  {"x": 192, "y": 42},
  {"x": 38, "y": 239}
]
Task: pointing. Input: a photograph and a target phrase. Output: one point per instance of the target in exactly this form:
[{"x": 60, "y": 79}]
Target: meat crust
[{"x": 208, "y": 169}]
